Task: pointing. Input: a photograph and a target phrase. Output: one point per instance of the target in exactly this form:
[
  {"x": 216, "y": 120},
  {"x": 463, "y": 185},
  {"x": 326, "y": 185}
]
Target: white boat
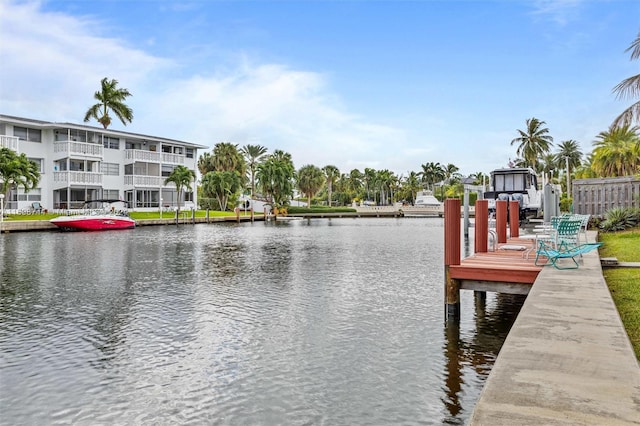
[
  {"x": 105, "y": 215},
  {"x": 425, "y": 205},
  {"x": 425, "y": 198}
]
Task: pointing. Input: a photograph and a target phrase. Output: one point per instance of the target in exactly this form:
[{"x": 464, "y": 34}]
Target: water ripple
[{"x": 315, "y": 322}]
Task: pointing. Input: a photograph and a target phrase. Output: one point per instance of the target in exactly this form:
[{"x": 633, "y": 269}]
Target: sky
[{"x": 350, "y": 83}]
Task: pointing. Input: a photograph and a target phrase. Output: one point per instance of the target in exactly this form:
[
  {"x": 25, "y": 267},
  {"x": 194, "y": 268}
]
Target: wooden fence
[{"x": 596, "y": 196}]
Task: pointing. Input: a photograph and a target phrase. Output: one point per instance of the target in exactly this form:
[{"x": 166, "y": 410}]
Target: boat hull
[{"x": 93, "y": 223}]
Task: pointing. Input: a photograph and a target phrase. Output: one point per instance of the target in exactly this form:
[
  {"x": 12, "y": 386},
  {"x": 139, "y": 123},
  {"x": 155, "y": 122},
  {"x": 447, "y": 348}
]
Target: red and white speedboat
[{"x": 107, "y": 216}]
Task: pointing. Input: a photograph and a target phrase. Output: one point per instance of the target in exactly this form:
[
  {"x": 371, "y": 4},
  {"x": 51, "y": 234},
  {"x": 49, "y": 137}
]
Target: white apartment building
[{"x": 80, "y": 163}]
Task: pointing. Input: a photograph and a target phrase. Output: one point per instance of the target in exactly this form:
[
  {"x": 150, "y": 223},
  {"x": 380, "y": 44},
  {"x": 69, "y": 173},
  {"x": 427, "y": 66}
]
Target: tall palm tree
[
  {"x": 629, "y": 88},
  {"x": 569, "y": 156},
  {"x": 331, "y": 173},
  {"x": 253, "y": 154},
  {"x": 368, "y": 179},
  {"x": 432, "y": 173},
  {"x": 226, "y": 158},
  {"x": 412, "y": 185},
  {"x": 617, "y": 152},
  {"x": 181, "y": 177},
  {"x": 310, "y": 179},
  {"x": 110, "y": 98},
  {"x": 275, "y": 177},
  {"x": 533, "y": 142},
  {"x": 17, "y": 169},
  {"x": 355, "y": 183}
]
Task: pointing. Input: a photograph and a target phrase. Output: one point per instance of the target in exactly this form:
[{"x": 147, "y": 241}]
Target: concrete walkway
[{"x": 567, "y": 360}]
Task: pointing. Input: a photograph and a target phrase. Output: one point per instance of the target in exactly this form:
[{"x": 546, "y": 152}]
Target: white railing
[
  {"x": 140, "y": 155},
  {"x": 10, "y": 142},
  {"x": 76, "y": 178},
  {"x": 143, "y": 181},
  {"x": 173, "y": 158},
  {"x": 78, "y": 148}
]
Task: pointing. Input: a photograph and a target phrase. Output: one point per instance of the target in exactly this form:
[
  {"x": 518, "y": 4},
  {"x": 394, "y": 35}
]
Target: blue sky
[{"x": 380, "y": 84}]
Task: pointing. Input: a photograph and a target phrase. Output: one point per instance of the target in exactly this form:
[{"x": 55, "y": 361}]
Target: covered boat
[{"x": 97, "y": 215}]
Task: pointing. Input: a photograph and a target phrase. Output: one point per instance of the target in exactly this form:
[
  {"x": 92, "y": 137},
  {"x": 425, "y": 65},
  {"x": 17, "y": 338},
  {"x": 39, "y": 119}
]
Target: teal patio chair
[{"x": 564, "y": 251}]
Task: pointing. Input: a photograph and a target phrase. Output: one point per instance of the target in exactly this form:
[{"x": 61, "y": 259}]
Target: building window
[
  {"x": 111, "y": 143},
  {"x": 110, "y": 169},
  {"x": 167, "y": 169},
  {"x": 39, "y": 162},
  {"x": 130, "y": 144},
  {"x": 188, "y": 152},
  {"x": 25, "y": 134},
  {"x": 33, "y": 195},
  {"x": 110, "y": 194}
]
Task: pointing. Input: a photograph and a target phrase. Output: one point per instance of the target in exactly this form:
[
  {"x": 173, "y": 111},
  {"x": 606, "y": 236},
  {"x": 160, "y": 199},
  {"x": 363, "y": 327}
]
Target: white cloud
[{"x": 52, "y": 65}]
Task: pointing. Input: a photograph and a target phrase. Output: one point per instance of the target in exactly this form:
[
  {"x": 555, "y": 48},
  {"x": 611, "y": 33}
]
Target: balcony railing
[
  {"x": 71, "y": 148},
  {"x": 10, "y": 142},
  {"x": 172, "y": 158},
  {"x": 131, "y": 155},
  {"x": 139, "y": 181},
  {"x": 69, "y": 178}
]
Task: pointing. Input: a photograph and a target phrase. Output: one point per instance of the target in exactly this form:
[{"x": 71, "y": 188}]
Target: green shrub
[{"x": 619, "y": 219}]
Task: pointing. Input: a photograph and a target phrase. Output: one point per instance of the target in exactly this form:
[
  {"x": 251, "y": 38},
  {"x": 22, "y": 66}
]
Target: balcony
[
  {"x": 173, "y": 158},
  {"x": 74, "y": 178},
  {"x": 77, "y": 149},
  {"x": 10, "y": 142},
  {"x": 133, "y": 155},
  {"x": 141, "y": 181}
]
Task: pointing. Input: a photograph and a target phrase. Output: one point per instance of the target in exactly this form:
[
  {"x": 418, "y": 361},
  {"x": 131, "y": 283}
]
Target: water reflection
[
  {"x": 471, "y": 355},
  {"x": 295, "y": 323}
]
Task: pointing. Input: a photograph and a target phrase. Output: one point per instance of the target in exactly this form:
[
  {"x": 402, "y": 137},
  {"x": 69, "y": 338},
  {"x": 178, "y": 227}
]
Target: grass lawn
[{"x": 624, "y": 284}]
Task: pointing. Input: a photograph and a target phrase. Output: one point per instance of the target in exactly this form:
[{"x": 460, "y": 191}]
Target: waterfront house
[{"x": 80, "y": 163}]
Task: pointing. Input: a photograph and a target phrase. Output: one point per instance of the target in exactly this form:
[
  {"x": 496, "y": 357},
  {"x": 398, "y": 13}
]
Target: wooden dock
[{"x": 508, "y": 268}]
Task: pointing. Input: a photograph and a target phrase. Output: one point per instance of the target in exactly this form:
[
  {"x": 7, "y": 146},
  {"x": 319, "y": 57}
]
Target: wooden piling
[
  {"x": 252, "y": 217},
  {"x": 481, "y": 228},
  {"x": 237, "y": 211},
  {"x": 514, "y": 219},
  {"x": 451, "y": 256},
  {"x": 501, "y": 220}
]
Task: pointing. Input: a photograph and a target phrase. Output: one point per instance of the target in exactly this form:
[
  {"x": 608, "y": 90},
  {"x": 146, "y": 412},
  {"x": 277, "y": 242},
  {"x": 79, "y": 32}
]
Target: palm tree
[
  {"x": 310, "y": 179},
  {"x": 221, "y": 186},
  {"x": 629, "y": 88},
  {"x": 432, "y": 173},
  {"x": 548, "y": 165},
  {"x": 412, "y": 185},
  {"x": 205, "y": 163},
  {"x": 568, "y": 155},
  {"x": 110, "y": 99},
  {"x": 331, "y": 173},
  {"x": 226, "y": 158},
  {"x": 533, "y": 142},
  {"x": 17, "y": 170},
  {"x": 617, "y": 152},
  {"x": 275, "y": 178},
  {"x": 368, "y": 179},
  {"x": 181, "y": 177},
  {"x": 253, "y": 154}
]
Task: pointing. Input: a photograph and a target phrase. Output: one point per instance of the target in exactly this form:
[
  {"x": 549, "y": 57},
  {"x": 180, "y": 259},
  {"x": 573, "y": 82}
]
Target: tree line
[{"x": 229, "y": 170}]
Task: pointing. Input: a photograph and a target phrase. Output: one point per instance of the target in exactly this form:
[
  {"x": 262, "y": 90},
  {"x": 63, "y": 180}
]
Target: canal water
[{"x": 321, "y": 322}]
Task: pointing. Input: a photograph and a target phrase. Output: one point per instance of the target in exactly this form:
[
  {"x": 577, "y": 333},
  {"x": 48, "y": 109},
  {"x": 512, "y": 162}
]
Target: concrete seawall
[{"x": 567, "y": 359}]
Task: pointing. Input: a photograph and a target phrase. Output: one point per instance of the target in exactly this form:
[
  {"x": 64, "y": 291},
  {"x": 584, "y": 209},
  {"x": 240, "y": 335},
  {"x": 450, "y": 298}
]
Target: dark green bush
[{"x": 619, "y": 219}]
